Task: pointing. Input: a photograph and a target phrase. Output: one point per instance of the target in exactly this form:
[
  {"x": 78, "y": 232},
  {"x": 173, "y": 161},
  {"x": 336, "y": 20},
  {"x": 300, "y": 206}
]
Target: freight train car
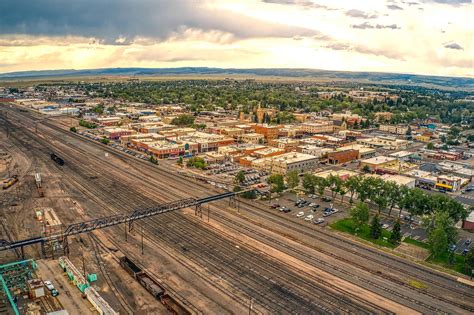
[
  {"x": 173, "y": 306},
  {"x": 57, "y": 159}
]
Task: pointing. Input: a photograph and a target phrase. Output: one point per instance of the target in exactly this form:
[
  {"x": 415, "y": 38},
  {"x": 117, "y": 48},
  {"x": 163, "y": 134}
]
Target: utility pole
[{"x": 142, "y": 237}]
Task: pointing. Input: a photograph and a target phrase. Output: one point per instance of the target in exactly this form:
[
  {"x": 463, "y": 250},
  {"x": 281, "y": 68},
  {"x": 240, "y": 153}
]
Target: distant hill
[{"x": 368, "y": 77}]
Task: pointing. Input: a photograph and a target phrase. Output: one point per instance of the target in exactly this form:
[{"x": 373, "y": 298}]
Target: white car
[
  {"x": 309, "y": 217},
  {"x": 300, "y": 214},
  {"x": 385, "y": 226},
  {"x": 48, "y": 285},
  {"x": 318, "y": 221}
]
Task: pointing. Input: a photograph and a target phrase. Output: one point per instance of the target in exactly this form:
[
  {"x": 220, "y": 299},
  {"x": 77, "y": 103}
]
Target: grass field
[{"x": 347, "y": 226}]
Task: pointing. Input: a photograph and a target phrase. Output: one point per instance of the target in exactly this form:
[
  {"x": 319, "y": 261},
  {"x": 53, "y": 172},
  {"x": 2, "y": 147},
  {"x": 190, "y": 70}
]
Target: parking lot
[{"x": 310, "y": 211}]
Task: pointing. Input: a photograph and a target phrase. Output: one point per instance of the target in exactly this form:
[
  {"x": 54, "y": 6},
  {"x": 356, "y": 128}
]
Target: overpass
[{"x": 103, "y": 222}]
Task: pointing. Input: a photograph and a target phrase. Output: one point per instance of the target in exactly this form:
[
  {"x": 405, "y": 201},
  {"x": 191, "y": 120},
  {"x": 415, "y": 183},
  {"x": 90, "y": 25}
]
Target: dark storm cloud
[
  {"x": 367, "y": 25},
  {"x": 127, "y": 19},
  {"x": 360, "y": 14},
  {"x": 453, "y": 46}
]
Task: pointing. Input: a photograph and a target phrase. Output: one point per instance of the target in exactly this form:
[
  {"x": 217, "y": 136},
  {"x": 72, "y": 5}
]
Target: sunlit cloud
[{"x": 370, "y": 35}]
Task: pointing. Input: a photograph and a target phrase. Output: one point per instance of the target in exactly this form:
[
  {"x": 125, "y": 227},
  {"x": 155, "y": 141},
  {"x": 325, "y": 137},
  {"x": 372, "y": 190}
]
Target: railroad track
[
  {"x": 97, "y": 255},
  {"x": 294, "y": 297},
  {"x": 341, "y": 247}
]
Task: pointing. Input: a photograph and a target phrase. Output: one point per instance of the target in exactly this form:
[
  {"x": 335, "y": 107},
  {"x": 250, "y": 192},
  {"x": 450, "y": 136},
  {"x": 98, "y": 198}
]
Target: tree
[
  {"x": 320, "y": 184},
  {"x": 366, "y": 169},
  {"x": 292, "y": 179},
  {"x": 334, "y": 184},
  {"x": 359, "y": 214},
  {"x": 73, "y": 129},
  {"x": 392, "y": 191},
  {"x": 308, "y": 183},
  {"x": 375, "y": 229},
  {"x": 352, "y": 183},
  {"x": 277, "y": 181},
  {"x": 153, "y": 159},
  {"x": 469, "y": 261},
  {"x": 105, "y": 140},
  {"x": 239, "y": 177},
  {"x": 183, "y": 120},
  {"x": 439, "y": 218},
  {"x": 396, "y": 236},
  {"x": 438, "y": 241},
  {"x": 180, "y": 161},
  {"x": 430, "y": 146}
]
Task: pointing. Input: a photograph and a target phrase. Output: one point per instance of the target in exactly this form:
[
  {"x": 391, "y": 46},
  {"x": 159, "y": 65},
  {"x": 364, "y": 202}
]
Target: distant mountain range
[{"x": 368, "y": 77}]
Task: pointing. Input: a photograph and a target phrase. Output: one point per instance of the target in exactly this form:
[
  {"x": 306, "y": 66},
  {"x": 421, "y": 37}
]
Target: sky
[{"x": 434, "y": 37}]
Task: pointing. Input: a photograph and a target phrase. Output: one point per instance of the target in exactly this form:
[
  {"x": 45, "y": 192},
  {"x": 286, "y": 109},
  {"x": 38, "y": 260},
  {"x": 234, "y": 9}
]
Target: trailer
[
  {"x": 57, "y": 159},
  {"x": 39, "y": 184}
]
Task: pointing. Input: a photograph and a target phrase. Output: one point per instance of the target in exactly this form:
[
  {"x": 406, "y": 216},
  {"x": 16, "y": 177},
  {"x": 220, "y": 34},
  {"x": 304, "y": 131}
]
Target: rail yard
[{"x": 235, "y": 257}]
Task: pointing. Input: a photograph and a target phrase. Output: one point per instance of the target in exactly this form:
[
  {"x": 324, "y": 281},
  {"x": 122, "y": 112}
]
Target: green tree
[
  {"x": 239, "y": 177},
  {"x": 73, "y": 129},
  {"x": 105, "y": 140},
  {"x": 375, "y": 229},
  {"x": 180, "y": 161},
  {"x": 292, "y": 179},
  {"x": 441, "y": 219},
  {"x": 197, "y": 162},
  {"x": 308, "y": 183},
  {"x": 392, "y": 191},
  {"x": 430, "y": 146},
  {"x": 359, "y": 215},
  {"x": 334, "y": 183},
  {"x": 438, "y": 242},
  {"x": 277, "y": 182},
  {"x": 183, "y": 120},
  {"x": 153, "y": 159},
  {"x": 352, "y": 183},
  {"x": 366, "y": 169},
  {"x": 469, "y": 261},
  {"x": 320, "y": 185},
  {"x": 396, "y": 236}
]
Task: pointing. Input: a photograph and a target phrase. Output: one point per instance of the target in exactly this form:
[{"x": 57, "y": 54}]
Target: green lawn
[
  {"x": 416, "y": 243},
  {"x": 347, "y": 226},
  {"x": 457, "y": 265}
]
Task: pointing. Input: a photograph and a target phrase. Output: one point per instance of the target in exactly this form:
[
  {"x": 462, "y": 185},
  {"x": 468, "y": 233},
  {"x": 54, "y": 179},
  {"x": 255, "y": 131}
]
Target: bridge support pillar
[{"x": 198, "y": 210}]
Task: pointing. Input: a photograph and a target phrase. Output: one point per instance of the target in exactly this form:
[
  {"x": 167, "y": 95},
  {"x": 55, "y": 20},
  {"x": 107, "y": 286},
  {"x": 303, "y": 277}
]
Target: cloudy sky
[{"x": 411, "y": 36}]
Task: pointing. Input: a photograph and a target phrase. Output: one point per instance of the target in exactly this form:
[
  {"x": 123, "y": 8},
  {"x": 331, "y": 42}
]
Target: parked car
[
  {"x": 300, "y": 214},
  {"x": 274, "y": 206},
  {"x": 452, "y": 248},
  {"x": 327, "y": 199},
  {"x": 318, "y": 221},
  {"x": 385, "y": 226},
  {"x": 309, "y": 217},
  {"x": 465, "y": 251},
  {"x": 468, "y": 241},
  {"x": 51, "y": 287}
]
